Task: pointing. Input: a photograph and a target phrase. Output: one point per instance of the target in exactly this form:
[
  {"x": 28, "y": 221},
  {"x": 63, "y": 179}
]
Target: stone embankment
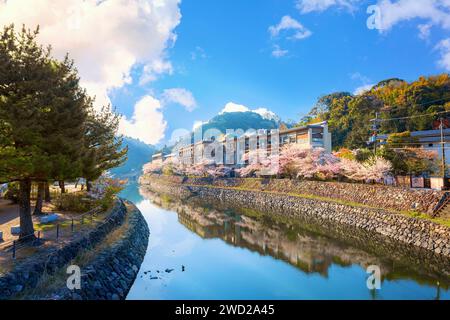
[
  {"x": 109, "y": 275},
  {"x": 419, "y": 233},
  {"x": 378, "y": 196}
]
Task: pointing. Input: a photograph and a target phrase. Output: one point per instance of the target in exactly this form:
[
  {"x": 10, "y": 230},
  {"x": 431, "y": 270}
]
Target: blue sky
[
  {"x": 224, "y": 50},
  {"x": 216, "y": 52}
]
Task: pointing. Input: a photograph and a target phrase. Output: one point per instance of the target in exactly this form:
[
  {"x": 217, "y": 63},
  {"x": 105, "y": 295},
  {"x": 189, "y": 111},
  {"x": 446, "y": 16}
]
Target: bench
[
  {"x": 15, "y": 231},
  {"x": 49, "y": 218}
]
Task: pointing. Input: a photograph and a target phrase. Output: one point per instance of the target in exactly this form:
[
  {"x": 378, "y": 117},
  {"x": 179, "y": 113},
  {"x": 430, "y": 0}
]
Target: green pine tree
[{"x": 43, "y": 112}]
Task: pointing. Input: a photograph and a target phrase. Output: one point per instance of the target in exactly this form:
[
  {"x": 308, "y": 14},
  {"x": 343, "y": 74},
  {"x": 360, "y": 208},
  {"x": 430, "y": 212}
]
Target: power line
[
  {"x": 415, "y": 143},
  {"x": 412, "y": 117},
  {"x": 417, "y": 116},
  {"x": 425, "y": 148}
]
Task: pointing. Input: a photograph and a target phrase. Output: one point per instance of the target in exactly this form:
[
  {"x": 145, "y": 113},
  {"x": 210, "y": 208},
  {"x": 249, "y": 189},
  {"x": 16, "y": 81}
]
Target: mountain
[
  {"x": 240, "y": 120},
  {"x": 139, "y": 153}
]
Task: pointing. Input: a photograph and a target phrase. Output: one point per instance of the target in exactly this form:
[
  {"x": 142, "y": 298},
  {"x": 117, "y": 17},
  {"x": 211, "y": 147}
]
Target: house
[
  {"x": 158, "y": 158},
  {"x": 429, "y": 139},
  {"x": 432, "y": 140}
]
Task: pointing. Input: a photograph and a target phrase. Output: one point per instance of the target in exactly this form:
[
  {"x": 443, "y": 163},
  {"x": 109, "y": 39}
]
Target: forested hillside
[
  {"x": 418, "y": 105},
  {"x": 139, "y": 153}
]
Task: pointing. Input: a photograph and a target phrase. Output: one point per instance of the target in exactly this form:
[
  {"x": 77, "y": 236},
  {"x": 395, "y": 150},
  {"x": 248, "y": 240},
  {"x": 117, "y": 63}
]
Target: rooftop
[{"x": 423, "y": 136}]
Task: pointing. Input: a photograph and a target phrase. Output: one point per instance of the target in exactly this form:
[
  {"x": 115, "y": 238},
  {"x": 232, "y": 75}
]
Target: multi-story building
[
  {"x": 229, "y": 150},
  {"x": 158, "y": 158},
  {"x": 310, "y": 136}
]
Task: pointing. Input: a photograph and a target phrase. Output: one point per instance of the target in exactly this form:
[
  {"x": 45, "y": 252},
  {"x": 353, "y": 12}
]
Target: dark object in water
[
  {"x": 183, "y": 268},
  {"x": 169, "y": 270}
]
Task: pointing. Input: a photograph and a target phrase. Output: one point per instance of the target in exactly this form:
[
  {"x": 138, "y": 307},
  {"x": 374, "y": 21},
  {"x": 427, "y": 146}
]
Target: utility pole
[
  {"x": 444, "y": 167},
  {"x": 375, "y": 132}
]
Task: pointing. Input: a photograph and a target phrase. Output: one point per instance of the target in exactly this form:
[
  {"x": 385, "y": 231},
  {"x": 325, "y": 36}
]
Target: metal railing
[
  {"x": 36, "y": 239},
  {"x": 443, "y": 203}
]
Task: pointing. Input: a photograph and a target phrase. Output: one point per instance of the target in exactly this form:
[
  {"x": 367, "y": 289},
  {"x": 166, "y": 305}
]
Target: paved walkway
[
  {"x": 9, "y": 213},
  {"x": 9, "y": 217}
]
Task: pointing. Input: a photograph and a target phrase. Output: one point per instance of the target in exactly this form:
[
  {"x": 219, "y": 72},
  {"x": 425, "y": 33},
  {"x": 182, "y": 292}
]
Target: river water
[{"x": 204, "y": 251}]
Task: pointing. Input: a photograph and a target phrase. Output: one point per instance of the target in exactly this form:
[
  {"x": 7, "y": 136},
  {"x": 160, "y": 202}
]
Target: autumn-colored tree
[
  {"x": 411, "y": 161},
  {"x": 415, "y": 104}
]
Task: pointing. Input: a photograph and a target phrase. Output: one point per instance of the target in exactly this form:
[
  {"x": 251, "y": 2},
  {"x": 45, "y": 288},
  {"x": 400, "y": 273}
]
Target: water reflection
[
  {"x": 308, "y": 251},
  {"x": 323, "y": 267}
]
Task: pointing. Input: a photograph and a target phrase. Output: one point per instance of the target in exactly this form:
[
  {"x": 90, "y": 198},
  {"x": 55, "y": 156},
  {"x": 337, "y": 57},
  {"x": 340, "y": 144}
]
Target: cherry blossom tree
[
  {"x": 376, "y": 168},
  {"x": 294, "y": 161},
  {"x": 258, "y": 161},
  {"x": 317, "y": 164},
  {"x": 288, "y": 159},
  {"x": 353, "y": 169},
  {"x": 199, "y": 169},
  {"x": 153, "y": 167},
  {"x": 220, "y": 172}
]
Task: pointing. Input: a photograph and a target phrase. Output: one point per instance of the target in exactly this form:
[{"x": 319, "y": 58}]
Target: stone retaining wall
[
  {"x": 28, "y": 273},
  {"x": 414, "y": 232},
  {"x": 112, "y": 273},
  {"x": 378, "y": 196}
]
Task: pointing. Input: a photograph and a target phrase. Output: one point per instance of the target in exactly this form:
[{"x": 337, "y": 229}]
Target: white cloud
[
  {"x": 366, "y": 83},
  {"x": 360, "y": 77},
  {"x": 263, "y": 112},
  {"x": 234, "y": 107},
  {"x": 434, "y": 12},
  {"x": 363, "y": 88},
  {"x": 307, "y": 6},
  {"x": 267, "y": 114},
  {"x": 105, "y": 38},
  {"x": 444, "y": 48},
  {"x": 287, "y": 23},
  {"x": 198, "y": 53},
  {"x": 179, "y": 135},
  {"x": 277, "y": 52},
  {"x": 198, "y": 124},
  {"x": 147, "y": 123},
  {"x": 427, "y": 13},
  {"x": 431, "y": 12},
  {"x": 424, "y": 31},
  {"x": 154, "y": 69},
  {"x": 181, "y": 96}
]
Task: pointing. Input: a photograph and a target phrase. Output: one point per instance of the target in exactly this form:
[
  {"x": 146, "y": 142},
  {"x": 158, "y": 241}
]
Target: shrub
[
  {"x": 106, "y": 191},
  {"x": 73, "y": 202}
]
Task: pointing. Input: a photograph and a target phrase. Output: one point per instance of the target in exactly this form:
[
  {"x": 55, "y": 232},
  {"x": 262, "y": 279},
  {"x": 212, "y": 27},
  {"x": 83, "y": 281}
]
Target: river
[{"x": 203, "y": 251}]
